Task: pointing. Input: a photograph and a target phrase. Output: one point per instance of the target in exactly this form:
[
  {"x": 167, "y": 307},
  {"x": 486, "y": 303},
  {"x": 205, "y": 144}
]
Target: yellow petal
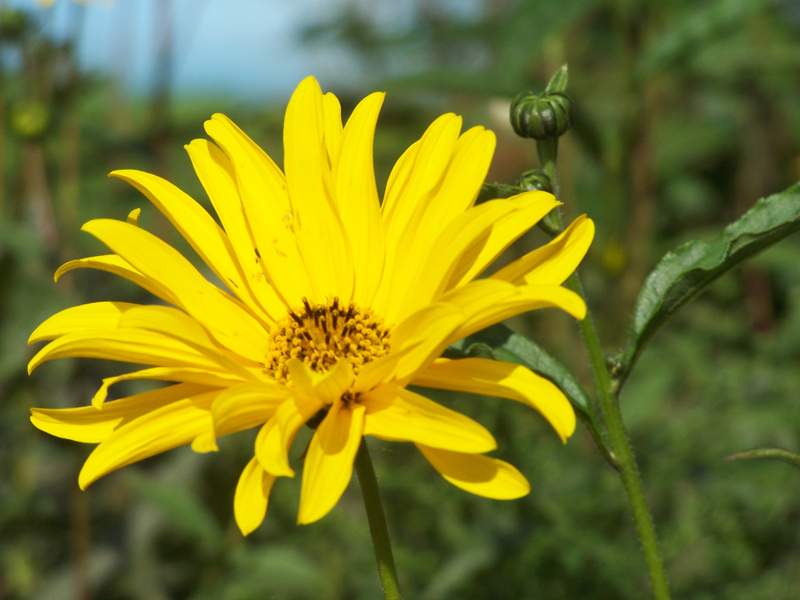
[
  {"x": 315, "y": 219},
  {"x": 175, "y": 424},
  {"x": 397, "y": 414},
  {"x": 530, "y": 208},
  {"x": 398, "y": 177},
  {"x": 489, "y": 301},
  {"x": 246, "y": 405},
  {"x": 472, "y": 155},
  {"x": 186, "y": 375},
  {"x": 196, "y": 226},
  {"x": 218, "y": 177},
  {"x": 415, "y": 183},
  {"x": 553, "y": 262},
  {"x": 231, "y": 326},
  {"x": 382, "y": 368},
  {"x": 252, "y": 496},
  {"x": 357, "y": 197},
  {"x": 422, "y": 278},
  {"x": 119, "y": 266},
  {"x": 328, "y": 466},
  {"x": 262, "y": 188},
  {"x": 130, "y": 345},
  {"x": 504, "y": 380},
  {"x": 477, "y": 295},
  {"x": 445, "y": 225},
  {"x": 332, "y": 127},
  {"x": 276, "y": 436},
  {"x": 429, "y": 330},
  {"x": 174, "y": 323},
  {"x": 90, "y": 425},
  {"x": 480, "y": 475},
  {"x": 412, "y": 184},
  {"x": 95, "y": 315},
  {"x": 326, "y": 387}
]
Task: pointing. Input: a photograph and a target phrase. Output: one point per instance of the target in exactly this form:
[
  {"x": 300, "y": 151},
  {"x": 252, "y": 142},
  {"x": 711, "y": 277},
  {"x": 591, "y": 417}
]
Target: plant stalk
[
  {"x": 377, "y": 524},
  {"x": 618, "y": 437}
]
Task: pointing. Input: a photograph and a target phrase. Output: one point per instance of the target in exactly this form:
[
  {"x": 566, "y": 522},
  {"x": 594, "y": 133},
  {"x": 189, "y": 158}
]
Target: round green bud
[
  {"x": 541, "y": 116},
  {"x": 29, "y": 119},
  {"x": 535, "y": 180}
]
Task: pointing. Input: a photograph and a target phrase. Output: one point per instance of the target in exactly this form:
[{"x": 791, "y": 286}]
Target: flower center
[{"x": 320, "y": 334}]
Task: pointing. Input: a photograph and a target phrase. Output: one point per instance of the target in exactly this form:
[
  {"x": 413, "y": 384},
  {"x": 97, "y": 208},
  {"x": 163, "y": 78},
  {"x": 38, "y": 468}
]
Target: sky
[{"x": 247, "y": 48}]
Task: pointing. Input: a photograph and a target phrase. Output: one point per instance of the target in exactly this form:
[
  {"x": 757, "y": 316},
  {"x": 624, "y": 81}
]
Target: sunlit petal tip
[
  {"x": 84, "y": 481},
  {"x": 580, "y": 310},
  {"x": 328, "y": 465},
  {"x": 101, "y": 394},
  {"x": 252, "y": 496},
  {"x": 133, "y": 216},
  {"x": 205, "y": 443},
  {"x": 121, "y": 173},
  {"x": 89, "y": 225},
  {"x": 478, "y": 474}
]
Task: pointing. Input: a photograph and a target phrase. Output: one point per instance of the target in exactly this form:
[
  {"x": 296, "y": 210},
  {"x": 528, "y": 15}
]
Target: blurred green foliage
[{"x": 686, "y": 113}]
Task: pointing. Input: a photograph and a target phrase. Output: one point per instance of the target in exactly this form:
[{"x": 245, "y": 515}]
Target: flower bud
[
  {"x": 541, "y": 116},
  {"x": 535, "y": 180},
  {"x": 30, "y": 119}
]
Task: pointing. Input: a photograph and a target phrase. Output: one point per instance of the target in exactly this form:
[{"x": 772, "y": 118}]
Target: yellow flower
[{"x": 337, "y": 302}]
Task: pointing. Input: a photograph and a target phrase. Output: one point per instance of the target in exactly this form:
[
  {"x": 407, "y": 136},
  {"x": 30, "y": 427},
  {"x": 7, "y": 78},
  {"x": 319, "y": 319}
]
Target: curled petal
[
  {"x": 397, "y": 414},
  {"x": 505, "y": 380},
  {"x": 479, "y": 475}
]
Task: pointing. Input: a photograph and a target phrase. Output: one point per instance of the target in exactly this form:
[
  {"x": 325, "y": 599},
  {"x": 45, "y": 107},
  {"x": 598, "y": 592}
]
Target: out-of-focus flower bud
[
  {"x": 29, "y": 119},
  {"x": 541, "y": 116}
]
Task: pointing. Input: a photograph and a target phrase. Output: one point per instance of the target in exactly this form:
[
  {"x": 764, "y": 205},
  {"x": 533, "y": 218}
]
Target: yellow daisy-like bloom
[{"x": 337, "y": 302}]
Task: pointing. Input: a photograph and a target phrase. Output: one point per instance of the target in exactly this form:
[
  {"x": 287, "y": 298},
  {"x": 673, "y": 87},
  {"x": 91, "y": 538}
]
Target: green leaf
[
  {"x": 771, "y": 453},
  {"x": 500, "y": 343},
  {"x": 558, "y": 82},
  {"x": 684, "y": 272}
]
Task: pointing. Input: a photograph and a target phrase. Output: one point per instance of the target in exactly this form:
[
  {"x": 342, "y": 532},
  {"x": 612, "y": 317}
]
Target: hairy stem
[
  {"x": 377, "y": 524},
  {"x": 620, "y": 444}
]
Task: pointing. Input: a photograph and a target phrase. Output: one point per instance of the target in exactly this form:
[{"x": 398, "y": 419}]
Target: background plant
[{"x": 686, "y": 113}]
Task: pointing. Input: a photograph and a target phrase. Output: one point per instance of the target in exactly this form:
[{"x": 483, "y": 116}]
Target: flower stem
[
  {"x": 620, "y": 444},
  {"x": 377, "y": 523}
]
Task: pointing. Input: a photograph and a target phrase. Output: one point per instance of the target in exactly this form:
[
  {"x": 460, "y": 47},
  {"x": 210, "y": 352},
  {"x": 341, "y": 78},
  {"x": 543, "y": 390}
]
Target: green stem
[
  {"x": 377, "y": 524},
  {"x": 620, "y": 444},
  {"x": 773, "y": 453}
]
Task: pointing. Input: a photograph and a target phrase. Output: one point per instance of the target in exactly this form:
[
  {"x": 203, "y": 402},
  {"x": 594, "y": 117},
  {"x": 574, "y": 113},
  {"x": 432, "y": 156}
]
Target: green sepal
[
  {"x": 558, "y": 82},
  {"x": 683, "y": 273}
]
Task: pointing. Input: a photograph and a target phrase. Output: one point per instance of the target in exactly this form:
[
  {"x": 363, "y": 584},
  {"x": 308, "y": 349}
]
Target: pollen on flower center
[{"x": 320, "y": 334}]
